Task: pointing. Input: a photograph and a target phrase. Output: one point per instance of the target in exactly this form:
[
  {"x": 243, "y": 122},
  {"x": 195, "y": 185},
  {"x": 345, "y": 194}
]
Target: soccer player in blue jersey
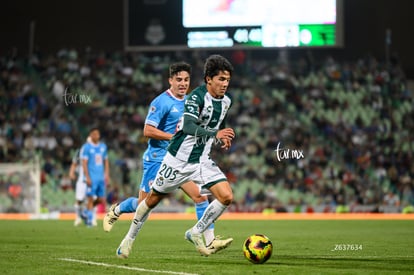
[
  {"x": 161, "y": 123},
  {"x": 188, "y": 155},
  {"x": 95, "y": 165},
  {"x": 76, "y": 173}
]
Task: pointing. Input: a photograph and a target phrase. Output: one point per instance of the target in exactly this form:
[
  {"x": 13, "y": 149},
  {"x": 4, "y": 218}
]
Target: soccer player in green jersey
[{"x": 202, "y": 124}]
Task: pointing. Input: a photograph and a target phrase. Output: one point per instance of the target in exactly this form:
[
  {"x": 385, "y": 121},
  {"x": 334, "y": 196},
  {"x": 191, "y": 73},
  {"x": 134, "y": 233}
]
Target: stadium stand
[{"x": 353, "y": 122}]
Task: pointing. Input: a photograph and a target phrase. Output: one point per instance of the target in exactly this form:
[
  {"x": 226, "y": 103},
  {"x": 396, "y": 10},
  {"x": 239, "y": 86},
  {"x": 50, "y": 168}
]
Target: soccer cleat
[
  {"x": 78, "y": 221},
  {"x": 197, "y": 240},
  {"x": 110, "y": 218},
  {"x": 217, "y": 244},
  {"x": 94, "y": 222},
  {"x": 124, "y": 248}
]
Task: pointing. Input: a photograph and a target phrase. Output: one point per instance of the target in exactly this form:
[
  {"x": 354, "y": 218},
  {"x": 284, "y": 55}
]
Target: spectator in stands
[{"x": 319, "y": 104}]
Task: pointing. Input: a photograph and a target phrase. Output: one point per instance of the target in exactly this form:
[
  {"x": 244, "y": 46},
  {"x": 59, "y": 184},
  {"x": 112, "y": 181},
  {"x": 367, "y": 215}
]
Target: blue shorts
[
  {"x": 97, "y": 189},
  {"x": 150, "y": 169}
]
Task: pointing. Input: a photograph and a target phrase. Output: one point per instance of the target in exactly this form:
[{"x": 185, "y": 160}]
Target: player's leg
[
  {"x": 216, "y": 182},
  {"x": 100, "y": 199},
  {"x": 94, "y": 213},
  {"x": 213, "y": 243},
  {"x": 164, "y": 183},
  {"x": 78, "y": 213},
  {"x": 129, "y": 205},
  {"x": 80, "y": 197},
  {"x": 223, "y": 197},
  {"x": 201, "y": 203},
  {"x": 141, "y": 214},
  {"x": 89, "y": 209},
  {"x": 97, "y": 200},
  {"x": 142, "y": 195},
  {"x": 92, "y": 196},
  {"x": 222, "y": 193},
  {"x": 116, "y": 210}
]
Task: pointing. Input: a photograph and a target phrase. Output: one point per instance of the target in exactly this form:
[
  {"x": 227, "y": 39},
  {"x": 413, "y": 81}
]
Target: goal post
[{"x": 20, "y": 187}]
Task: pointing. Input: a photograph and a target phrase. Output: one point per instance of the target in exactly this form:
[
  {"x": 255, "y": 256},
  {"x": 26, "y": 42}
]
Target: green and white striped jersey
[{"x": 210, "y": 114}]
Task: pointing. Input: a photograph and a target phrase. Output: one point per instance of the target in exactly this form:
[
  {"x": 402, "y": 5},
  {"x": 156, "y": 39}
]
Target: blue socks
[
  {"x": 89, "y": 217},
  {"x": 129, "y": 205}
]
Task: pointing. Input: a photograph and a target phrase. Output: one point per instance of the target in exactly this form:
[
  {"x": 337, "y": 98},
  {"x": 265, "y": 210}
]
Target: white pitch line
[{"x": 125, "y": 267}]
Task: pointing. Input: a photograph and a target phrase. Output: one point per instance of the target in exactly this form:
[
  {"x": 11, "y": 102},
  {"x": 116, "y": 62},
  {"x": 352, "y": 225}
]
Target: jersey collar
[{"x": 172, "y": 95}]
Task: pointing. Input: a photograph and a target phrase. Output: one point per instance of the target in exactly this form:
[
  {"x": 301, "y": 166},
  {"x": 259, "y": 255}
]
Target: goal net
[{"x": 20, "y": 187}]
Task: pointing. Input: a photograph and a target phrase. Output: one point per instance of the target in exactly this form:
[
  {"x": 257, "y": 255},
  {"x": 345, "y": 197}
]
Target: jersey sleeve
[
  {"x": 191, "y": 127},
  {"x": 156, "y": 112},
  {"x": 83, "y": 152},
  {"x": 192, "y": 107}
]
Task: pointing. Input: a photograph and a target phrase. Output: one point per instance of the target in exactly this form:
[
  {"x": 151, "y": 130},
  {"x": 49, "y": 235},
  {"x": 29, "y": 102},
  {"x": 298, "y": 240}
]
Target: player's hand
[
  {"x": 226, "y": 133},
  {"x": 72, "y": 176},
  {"x": 88, "y": 181},
  {"x": 107, "y": 179},
  {"x": 226, "y": 143}
]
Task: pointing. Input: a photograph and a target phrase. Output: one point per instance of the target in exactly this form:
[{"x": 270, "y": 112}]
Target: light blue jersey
[
  {"x": 164, "y": 113},
  {"x": 96, "y": 154}
]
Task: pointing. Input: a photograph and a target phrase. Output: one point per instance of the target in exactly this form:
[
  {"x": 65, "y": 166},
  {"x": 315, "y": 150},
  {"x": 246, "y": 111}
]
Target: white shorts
[
  {"x": 174, "y": 172},
  {"x": 80, "y": 190}
]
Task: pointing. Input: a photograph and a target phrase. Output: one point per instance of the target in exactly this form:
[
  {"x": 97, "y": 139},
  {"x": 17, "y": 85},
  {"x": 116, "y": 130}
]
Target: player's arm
[
  {"x": 226, "y": 142},
  {"x": 158, "y": 110},
  {"x": 107, "y": 176},
  {"x": 86, "y": 171},
  {"x": 191, "y": 127},
  {"x": 106, "y": 164},
  {"x": 190, "y": 121},
  {"x": 153, "y": 132},
  {"x": 72, "y": 170},
  {"x": 73, "y": 166}
]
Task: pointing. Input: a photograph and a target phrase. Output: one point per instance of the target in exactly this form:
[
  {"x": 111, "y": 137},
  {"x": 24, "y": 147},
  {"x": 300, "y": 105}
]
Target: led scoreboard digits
[
  {"x": 260, "y": 23},
  {"x": 162, "y": 24}
]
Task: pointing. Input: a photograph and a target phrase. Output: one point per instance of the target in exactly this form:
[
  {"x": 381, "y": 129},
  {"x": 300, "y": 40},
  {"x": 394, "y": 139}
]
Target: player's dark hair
[
  {"x": 179, "y": 67},
  {"x": 216, "y": 63},
  {"x": 93, "y": 129}
]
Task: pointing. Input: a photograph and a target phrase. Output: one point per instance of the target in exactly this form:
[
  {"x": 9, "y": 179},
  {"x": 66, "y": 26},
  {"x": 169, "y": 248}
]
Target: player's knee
[
  {"x": 199, "y": 198},
  {"x": 226, "y": 199},
  {"x": 153, "y": 199}
]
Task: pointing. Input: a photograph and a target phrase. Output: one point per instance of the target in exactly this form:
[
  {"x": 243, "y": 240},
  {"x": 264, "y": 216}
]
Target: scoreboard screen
[{"x": 152, "y": 25}]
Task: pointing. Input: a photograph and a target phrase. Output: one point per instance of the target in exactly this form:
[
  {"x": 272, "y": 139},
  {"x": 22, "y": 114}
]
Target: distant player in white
[{"x": 76, "y": 173}]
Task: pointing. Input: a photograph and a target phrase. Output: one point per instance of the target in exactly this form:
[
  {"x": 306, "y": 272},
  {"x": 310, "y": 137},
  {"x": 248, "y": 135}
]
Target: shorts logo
[{"x": 160, "y": 181}]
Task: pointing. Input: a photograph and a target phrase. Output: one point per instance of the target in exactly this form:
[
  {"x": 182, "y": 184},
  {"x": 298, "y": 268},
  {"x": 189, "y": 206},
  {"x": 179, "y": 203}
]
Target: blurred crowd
[{"x": 311, "y": 135}]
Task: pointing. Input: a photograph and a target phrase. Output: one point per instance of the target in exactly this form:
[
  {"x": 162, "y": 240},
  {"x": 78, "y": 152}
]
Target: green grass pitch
[{"x": 300, "y": 247}]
